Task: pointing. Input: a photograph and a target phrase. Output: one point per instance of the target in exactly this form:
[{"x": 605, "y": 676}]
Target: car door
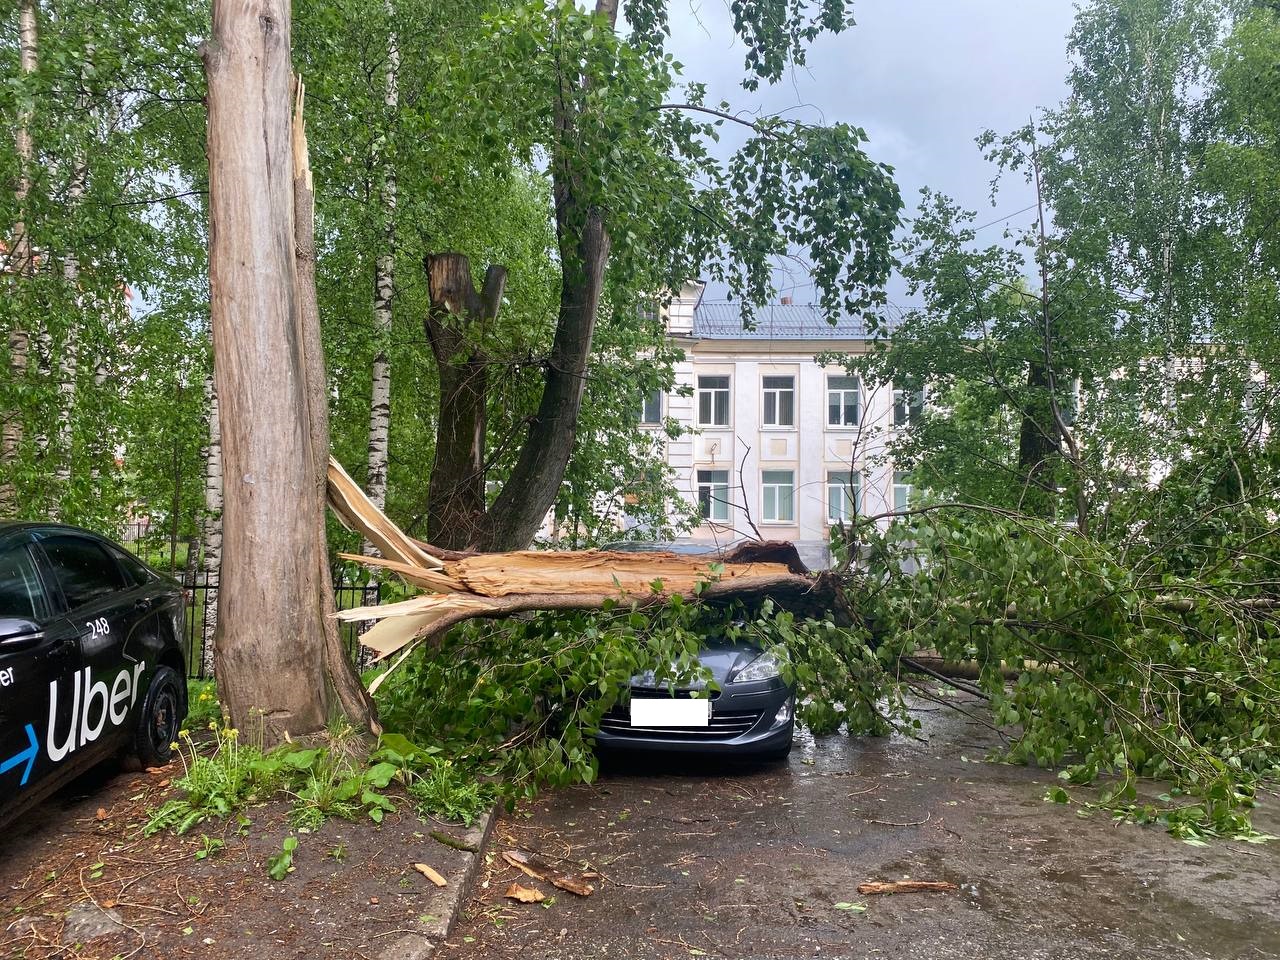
[
  {"x": 100, "y": 610},
  {"x": 38, "y": 658}
]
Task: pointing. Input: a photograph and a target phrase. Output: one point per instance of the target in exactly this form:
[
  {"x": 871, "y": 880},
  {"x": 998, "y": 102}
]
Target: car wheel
[{"x": 160, "y": 719}]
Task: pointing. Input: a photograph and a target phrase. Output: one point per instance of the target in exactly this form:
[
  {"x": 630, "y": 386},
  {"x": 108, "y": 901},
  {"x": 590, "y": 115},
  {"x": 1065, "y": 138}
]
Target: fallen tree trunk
[{"x": 464, "y": 586}]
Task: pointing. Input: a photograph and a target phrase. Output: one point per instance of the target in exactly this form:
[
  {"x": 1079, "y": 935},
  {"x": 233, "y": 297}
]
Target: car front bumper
[{"x": 745, "y": 721}]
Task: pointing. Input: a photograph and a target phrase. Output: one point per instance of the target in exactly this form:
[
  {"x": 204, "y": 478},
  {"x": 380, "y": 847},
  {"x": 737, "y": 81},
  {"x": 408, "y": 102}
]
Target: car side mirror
[{"x": 18, "y": 633}]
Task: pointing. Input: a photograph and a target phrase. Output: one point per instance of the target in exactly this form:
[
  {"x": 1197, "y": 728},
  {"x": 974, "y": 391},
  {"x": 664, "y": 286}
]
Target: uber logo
[
  {"x": 6, "y": 677},
  {"x": 116, "y": 704}
]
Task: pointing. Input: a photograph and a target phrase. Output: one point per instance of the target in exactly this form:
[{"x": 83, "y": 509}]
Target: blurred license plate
[{"x": 670, "y": 713}]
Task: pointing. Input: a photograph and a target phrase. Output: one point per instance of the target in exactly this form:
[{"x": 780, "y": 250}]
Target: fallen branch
[{"x": 465, "y": 586}]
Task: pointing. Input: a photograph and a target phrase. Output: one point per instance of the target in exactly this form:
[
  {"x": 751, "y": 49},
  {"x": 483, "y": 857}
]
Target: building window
[
  {"x": 844, "y": 401},
  {"x": 844, "y": 495},
  {"x": 713, "y": 401},
  {"x": 901, "y": 489},
  {"x": 779, "y": 401},
  {"x": 651, "y": 413},
  {"x": 908, "y": 405},
  {"x": 713, "y": 494},
  {"x": 779, "y": 488}
]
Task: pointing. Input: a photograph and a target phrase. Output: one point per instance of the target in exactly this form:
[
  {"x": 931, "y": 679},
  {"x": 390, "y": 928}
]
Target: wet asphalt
[{"x": 763, "y": 861}]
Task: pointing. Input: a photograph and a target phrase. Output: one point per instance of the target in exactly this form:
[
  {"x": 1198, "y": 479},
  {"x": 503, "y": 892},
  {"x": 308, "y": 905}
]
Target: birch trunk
[
  {"x": 383, "y": 293},
  {"x": 21, "y": 266},
  {"x": 211, "y": 524},
  {"x": 70, "y": 343},
  {"x": 274, "y": 661}
]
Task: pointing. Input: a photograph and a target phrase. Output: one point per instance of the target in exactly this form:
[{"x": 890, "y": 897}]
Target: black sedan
[
  {"x": 90, "y": 664},
  {"x": 752, "y": 714}
]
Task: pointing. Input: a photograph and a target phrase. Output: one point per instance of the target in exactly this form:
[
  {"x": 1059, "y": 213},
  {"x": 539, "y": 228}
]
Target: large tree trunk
[
  {"x": 383, "y": 293},
  {"x": 274, "y": 660},
  {"x": 21, "y": 266},
  {"x": 455, "y": 495}
]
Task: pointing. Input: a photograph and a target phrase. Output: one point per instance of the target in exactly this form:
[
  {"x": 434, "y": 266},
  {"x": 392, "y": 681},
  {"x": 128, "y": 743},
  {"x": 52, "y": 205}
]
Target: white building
[{"x": 776, "y": 446}]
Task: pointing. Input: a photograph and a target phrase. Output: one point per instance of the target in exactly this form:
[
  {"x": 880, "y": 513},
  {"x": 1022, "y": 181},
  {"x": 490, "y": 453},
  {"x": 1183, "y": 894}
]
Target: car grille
[
  {"x": 659, "y": 693},
  {"x": 723, "y": 726}
]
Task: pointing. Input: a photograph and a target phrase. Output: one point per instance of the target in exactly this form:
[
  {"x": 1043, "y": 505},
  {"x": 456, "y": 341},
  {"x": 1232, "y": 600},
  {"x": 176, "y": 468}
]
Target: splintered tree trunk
[
  {"x": 274, "y": 659},
  {"x": 583, "y": 239},
  {"x": 20, "y": 264},
  {"x": 383, "y": 292},
  {"x": 455, "y": 496}
]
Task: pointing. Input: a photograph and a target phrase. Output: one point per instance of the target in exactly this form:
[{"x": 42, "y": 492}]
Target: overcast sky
[{"x": 922, "y": 77}]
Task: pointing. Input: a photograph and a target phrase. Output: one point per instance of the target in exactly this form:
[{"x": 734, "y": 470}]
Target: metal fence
[{"x": 202, "y": 603}]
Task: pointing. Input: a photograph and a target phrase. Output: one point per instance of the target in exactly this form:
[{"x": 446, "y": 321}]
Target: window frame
[
  {"x": 910, "y": 402},
  {"x": 859, "y": 396},
  {"x": 776, "y": 488},
  {"x": 711, "y": 501},
  {"x": 713, "y": 393},
  {"x": 898, "y": 484},
  {"x": 775, "y": 393},
  {"x": 850, "y": 494},
  {"x": 650, "y": 397}
]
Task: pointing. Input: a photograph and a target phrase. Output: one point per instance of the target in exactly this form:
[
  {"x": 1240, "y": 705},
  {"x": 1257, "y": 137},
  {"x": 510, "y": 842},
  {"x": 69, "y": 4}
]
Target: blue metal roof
[{"x": 775, "y": 321}]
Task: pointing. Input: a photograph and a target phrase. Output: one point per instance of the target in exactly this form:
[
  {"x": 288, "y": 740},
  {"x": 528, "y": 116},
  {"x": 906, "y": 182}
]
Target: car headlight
[{"x": 763, "y": 667}]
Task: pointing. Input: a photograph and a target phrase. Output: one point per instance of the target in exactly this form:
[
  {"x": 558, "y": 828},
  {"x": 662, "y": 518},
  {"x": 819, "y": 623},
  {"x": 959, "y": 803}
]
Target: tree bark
[
  {"x": 455, "y": 494},
  {"x": 211, "y": 523},
  {"x": 383, "y": 292},
  {"x": 343, "y": 690},
  {"x": 274, "y": 664},
  {"x": 21, "y": 266}
]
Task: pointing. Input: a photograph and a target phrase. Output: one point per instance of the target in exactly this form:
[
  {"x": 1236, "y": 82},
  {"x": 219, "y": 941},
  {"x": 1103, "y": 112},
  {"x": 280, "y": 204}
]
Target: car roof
[{"x": 17, "y": 526}]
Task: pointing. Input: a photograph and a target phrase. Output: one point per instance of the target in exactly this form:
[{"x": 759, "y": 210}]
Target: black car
[
  {"x": 90, "y": 663},
  {"x": 752, "y": 714}
]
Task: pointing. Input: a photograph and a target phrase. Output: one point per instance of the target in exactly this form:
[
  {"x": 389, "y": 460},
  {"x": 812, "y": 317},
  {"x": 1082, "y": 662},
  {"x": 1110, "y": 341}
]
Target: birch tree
[{"x": 19, "y": 266}]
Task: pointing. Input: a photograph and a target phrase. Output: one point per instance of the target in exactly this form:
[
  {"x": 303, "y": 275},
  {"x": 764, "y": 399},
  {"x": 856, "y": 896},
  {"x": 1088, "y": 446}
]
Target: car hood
[{"x": 722, "y": 657}]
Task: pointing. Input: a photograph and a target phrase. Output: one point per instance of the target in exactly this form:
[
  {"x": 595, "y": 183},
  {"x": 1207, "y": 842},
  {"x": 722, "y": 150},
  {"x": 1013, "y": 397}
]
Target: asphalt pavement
[{"x": 763, "y": 861}]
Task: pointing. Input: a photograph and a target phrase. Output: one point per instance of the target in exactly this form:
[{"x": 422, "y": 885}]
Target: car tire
[{"x": 160, "y": 718}]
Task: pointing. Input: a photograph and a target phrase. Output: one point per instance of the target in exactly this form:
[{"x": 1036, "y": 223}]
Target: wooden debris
[
  {"x": 525, "y": 894},
  {"x": 431, "y": 875},
  {"x": 462, "y": 586},
  {"x": 906, "y": 886},
  {"x": 539, "y": 869}
]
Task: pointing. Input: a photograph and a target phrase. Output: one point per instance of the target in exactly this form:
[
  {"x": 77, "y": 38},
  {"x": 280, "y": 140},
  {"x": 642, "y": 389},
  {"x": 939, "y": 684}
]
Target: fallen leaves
[{"x": 525, "y": 894}]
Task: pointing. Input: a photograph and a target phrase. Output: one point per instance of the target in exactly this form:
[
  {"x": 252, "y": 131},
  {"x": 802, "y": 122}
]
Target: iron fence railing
[{"x": 201, "y": 590}]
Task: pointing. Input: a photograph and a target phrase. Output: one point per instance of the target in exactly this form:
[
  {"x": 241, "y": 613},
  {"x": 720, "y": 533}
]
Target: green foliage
[
  {"x": 281, "y": 865},
  {"x": 1126, "y": 668},
  {"x": 446, "y": 792},
  {"x": 518, "y": 701},
  {"x": 203, "y": 707}
]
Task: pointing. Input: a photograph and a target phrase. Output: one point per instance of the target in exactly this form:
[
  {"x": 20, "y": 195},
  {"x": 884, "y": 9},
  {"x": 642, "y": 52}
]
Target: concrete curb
[{"x": 448, "y": 903}]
